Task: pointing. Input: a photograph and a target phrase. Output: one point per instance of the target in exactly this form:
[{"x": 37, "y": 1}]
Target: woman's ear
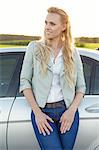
[{"x": 64, "y": 27}]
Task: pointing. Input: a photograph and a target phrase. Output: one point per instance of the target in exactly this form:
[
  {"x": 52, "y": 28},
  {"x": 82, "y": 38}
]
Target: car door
[
  {"x": 8, "y": 63},
  {"x": 20, "y": 132},
  {"x": 88, "y": 134}
]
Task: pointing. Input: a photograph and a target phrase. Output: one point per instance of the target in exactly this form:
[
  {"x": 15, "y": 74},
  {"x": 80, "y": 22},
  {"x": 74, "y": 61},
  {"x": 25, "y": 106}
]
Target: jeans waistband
[{"x": 55, "y": 104}]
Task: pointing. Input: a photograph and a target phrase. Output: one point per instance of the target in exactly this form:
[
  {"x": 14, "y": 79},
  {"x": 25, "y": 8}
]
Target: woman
[{"x": 52, "y": 81}]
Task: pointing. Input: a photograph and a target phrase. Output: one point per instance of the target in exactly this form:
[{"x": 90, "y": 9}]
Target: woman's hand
[
  {"x": 42, "y": 123},
  {"x": 66, "y": 120}
]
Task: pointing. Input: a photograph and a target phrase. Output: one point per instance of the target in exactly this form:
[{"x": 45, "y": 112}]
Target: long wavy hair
[{"x": 67, "y": 48}]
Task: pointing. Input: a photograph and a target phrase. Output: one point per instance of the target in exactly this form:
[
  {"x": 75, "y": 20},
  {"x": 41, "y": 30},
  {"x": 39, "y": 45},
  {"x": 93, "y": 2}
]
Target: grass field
[
  {"x": 91, "y": 45},
  {"x": 5, "y": 46},
  {"x": 84, "y": 45}
]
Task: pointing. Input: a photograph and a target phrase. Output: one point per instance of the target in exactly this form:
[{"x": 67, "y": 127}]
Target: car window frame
[
  {"x": 12, "y": 87},
  {"x": 91, "y": 62},
  {"x": 96, "y": 63}
]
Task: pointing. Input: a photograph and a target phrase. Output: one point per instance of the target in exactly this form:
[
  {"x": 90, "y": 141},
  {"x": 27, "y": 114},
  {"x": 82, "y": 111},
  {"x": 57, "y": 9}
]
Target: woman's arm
[
  {"x": 30, "y": 97},
  {"x": 40, "y": 117},
  {"x": 26, "y": 76},
  {"x": 68, "y": 116},
  {"x": 76, "y": 102}
]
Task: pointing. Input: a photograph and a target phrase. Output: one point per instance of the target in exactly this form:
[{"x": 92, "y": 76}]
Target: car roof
[
  {"x": 94, "y": 54},
  {"x": 12, "y": 49}
]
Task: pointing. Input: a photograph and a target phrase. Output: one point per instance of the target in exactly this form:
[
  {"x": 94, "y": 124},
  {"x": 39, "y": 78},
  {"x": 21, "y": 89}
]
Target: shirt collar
[{"x": 59, "y": 54}]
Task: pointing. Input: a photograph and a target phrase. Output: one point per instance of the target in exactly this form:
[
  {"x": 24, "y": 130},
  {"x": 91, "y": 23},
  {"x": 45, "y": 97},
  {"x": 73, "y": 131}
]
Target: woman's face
[{"x": 53, "y": 26}]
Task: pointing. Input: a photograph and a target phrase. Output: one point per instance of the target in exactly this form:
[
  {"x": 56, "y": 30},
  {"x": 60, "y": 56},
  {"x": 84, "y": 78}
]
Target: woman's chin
[{"x": 49, "y": 37}]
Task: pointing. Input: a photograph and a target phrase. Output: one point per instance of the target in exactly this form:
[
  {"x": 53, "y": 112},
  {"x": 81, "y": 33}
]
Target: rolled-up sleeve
[
  {"x": 80, "y": 82},
  {"x": 27, "y": 68}
]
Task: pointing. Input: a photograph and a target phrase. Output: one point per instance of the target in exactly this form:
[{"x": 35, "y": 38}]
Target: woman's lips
[{"x": 48, "y": 32}]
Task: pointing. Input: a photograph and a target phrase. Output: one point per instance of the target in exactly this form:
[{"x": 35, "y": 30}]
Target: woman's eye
[
  {"x": 45, "y": 22},
  {"x": 52, "y": 23}
]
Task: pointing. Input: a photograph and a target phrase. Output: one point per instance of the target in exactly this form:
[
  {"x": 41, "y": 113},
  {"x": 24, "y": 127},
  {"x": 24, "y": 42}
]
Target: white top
[{"x": 56, "y": 94}]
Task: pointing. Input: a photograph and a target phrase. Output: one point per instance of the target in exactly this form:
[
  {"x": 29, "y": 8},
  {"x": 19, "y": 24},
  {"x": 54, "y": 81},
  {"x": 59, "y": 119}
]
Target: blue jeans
[{"x": 56, "y": 140}]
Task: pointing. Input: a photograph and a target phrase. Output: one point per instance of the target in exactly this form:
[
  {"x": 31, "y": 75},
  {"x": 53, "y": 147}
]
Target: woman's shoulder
[
  {"x": 76, "y": 56},
  {"x": 76, "y": 53},
  {"x": 34, "y": 46}
]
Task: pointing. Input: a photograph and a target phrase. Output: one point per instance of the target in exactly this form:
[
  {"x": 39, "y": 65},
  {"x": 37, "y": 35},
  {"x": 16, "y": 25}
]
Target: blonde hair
[{"x": 67, "y": 48}]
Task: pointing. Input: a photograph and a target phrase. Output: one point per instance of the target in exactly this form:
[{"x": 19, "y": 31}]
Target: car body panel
[
  {"x": 88, "y": 133},
  {"x": 20, "y": 126},
  {"x": 89, "y": 107},
  {"x": 22, "y": 135},
  {"x": 3, "y": 127},
  {"x": 21, "y": 110},
  {"x": 5, "y": 106}
]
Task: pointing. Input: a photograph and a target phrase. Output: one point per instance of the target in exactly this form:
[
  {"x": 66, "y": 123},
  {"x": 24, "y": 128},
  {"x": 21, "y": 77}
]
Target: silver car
[{"x": 16, "y": 132}]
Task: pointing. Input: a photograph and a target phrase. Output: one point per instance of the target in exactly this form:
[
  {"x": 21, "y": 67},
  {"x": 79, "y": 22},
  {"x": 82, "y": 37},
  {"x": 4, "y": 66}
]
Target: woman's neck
[{"x": 56, "y": 44}]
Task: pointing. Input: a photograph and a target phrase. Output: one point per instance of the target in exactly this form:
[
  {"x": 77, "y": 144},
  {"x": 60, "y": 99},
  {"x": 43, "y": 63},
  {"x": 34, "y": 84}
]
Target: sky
[{"x": 27, "y": 17}]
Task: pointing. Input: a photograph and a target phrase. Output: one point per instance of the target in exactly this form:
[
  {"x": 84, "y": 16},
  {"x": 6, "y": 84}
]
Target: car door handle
[{"x": 93, "y": 108}]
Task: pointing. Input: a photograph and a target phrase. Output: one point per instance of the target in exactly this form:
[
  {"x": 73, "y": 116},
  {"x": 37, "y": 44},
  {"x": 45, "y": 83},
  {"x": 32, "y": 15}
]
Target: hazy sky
[{"x": 27, "y": 16}]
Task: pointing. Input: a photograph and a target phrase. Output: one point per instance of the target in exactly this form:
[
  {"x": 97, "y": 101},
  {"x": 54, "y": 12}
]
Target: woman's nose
[{"x": 47, "y": 26}]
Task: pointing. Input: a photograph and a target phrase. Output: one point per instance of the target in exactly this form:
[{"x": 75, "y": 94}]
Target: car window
[
  {"x": 96, "y": 83},
  {"x": 87, "y": 67},
  {"x": 8, "y": 64}
]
